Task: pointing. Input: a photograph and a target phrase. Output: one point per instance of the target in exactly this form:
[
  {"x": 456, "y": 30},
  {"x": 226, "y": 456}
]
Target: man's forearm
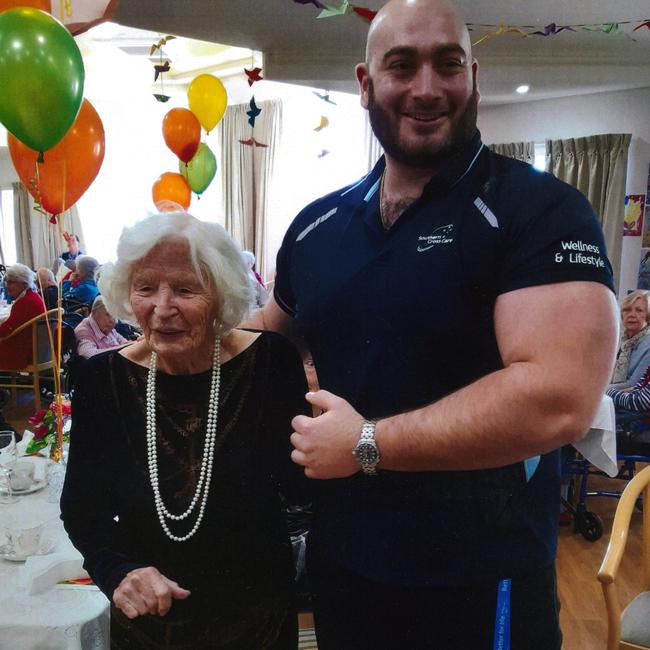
[{"x": 501, "y": 418}]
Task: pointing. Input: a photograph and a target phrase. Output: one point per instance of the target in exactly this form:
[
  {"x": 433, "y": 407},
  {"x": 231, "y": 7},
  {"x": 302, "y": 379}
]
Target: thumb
[
  {"x": 322, "y": 399},
  {"x": 178, "y": 593}
]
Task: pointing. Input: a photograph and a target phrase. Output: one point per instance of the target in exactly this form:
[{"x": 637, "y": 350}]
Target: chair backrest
[
  {"x": 640, "y": 484},
  {"x": 42, "y": 325},
  {"x": 43, "y": 347}
]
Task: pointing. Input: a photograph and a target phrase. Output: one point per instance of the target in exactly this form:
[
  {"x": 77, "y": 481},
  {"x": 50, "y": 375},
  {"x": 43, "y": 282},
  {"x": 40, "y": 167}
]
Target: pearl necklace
[{"x": 203, "y": 484}]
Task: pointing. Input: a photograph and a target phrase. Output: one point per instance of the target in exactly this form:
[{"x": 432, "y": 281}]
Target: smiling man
[{"x": 459, "y": 342}]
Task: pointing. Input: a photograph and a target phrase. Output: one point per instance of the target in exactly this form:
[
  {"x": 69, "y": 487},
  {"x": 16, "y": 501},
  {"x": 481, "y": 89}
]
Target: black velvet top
[{"x": 239, "y": 561}]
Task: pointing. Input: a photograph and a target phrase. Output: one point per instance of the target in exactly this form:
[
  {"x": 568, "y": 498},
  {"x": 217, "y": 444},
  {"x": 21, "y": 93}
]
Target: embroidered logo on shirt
[
  {"x": 441, "y": 235},
  {"x": 577, "y": 252}
]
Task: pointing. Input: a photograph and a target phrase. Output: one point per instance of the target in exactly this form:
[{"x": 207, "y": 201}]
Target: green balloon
[
  {"x": 41, "y": 77},
  {"x": 200, "y": 171}
]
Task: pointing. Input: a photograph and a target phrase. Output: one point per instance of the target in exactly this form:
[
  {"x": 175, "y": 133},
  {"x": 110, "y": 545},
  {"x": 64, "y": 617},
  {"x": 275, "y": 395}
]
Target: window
[
  {"x": 540, "y": 156},
  {"x": 7, "y": 234}
]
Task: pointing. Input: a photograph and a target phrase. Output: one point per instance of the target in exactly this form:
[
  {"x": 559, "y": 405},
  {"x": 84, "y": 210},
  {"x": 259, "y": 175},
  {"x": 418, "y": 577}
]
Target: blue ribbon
[{"x": 502, "y": 621}]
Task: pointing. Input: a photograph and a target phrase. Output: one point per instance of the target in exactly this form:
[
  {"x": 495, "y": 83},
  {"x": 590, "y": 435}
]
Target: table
[{"x": 58, "y": 618}]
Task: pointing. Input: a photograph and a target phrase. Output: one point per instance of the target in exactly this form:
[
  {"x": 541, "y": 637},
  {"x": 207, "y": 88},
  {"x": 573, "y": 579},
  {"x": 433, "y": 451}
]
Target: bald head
[
  {"x": 402, "y": 16},
  {"x": 419, "y": 82}
]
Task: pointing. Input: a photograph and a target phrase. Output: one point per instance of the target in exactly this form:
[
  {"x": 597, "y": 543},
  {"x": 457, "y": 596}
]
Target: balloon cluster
[
  {"x": 182, "y": 133},
  {"x": 56, "y": 138}
]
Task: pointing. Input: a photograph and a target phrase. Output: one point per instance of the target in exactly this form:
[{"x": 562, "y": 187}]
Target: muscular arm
[{"x": 557, "y": 343}]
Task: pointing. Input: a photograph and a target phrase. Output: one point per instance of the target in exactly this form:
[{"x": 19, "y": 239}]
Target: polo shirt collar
[{"x": 457, "y": 168}]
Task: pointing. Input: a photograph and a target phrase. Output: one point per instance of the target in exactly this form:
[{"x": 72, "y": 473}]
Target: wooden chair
[
  {"x": 629, "y": 629},
  {"x": 41, "y": 357}
]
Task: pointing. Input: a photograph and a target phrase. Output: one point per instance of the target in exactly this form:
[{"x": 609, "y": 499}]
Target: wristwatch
[{"x": 366, "y": 451}]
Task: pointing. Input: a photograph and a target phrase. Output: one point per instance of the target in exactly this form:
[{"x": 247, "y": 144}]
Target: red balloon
[
  {"x": 43, "y": 5},
  {"x": 182, "y": 133},
  {"x": 69, "y": 167},
  {"x": 171, "y": 191}
]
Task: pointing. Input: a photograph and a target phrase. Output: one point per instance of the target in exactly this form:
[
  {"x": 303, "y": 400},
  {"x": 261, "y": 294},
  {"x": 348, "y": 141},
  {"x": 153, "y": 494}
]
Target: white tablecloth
[
  {"x": 59, "y": 618},
  {"x": 599, "y": 445}
]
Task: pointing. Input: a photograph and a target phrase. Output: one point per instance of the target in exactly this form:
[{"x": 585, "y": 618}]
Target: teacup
[
  {"x": 23, "y": 539},
  {"x": 22, "y": 475}
]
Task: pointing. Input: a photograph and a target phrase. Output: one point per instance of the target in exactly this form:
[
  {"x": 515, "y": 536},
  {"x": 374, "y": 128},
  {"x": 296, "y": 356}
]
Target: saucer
[{"x": 34, "y": 487}]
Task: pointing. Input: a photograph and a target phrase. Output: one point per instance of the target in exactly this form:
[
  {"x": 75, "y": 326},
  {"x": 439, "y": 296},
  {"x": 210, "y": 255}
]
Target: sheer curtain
[
  {"x": 246, "y": 172},
  {"x": 524, "y": 151},
  {"x": 597, "y": 166},
  {"x": 39, "y": 242}
]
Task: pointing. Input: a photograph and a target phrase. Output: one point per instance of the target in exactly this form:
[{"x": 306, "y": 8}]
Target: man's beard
[{"x": 429, "y": 156}]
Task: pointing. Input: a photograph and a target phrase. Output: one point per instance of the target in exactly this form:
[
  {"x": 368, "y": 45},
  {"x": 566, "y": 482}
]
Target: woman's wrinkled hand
[{"x": 147, "y": 591}]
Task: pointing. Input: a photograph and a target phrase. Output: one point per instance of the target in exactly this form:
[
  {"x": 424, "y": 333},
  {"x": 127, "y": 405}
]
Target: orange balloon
[
  {"x": 69, "y": 167},
  {"x": 182, "y": 132},
  {"x": 170, "y": 191},
  {"x": 43, "y": 5}
]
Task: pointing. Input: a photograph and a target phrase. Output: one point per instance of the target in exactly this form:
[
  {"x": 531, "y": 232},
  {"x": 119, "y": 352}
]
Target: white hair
[
  {"x": 46, "y": 277},
  {"x": 98, "y": 304},
  {"x": 249, "y": 259},
  {"x": 216, "y": 259},
  {"x": 21, "y": 273},
  {"x": 87, "y": 266}
]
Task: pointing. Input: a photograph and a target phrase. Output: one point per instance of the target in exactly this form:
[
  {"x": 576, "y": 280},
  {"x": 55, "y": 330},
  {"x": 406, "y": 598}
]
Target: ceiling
[{"x": 300, "y": 48}]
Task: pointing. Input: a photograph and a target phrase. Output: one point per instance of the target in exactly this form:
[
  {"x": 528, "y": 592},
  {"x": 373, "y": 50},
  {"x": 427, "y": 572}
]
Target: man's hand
[
  {"x": 324, "y": 444},
  {"x": 147, "y": 591}
]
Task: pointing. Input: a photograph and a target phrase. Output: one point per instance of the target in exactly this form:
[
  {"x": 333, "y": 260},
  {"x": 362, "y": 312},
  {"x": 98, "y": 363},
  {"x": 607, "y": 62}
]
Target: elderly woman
[
  {"x": 633, "y": 356},
  {"x": 48, "y": 287},
  {"x": 16, "y": 352},
  {"x": 180, "y": 451},
  {"x": 83, "y": 287},
  {"x": 97, "y": 332}
]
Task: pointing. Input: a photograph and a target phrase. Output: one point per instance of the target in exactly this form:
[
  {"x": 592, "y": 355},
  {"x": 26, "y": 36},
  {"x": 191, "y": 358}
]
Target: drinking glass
[{"x": 8, "y": 458}]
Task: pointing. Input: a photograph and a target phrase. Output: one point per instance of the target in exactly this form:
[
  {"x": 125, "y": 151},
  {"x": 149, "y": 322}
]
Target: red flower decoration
[
  {"x": 40, "y": 431},
  {"x": 37, "y": 417}
]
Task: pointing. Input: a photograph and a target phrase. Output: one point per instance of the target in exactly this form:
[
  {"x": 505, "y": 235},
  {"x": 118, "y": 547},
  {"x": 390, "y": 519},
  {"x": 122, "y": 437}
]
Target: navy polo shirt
[{"x": 398, "y": 319}]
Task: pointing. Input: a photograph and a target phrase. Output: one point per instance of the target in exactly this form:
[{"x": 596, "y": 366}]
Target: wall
[
  {"x": 617, "y": 112},
  {"x": 8, "y": 174}
]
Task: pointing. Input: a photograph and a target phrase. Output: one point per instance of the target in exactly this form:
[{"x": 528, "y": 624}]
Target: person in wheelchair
[
  {"x": 82, "y": 289},
  {"x": 96, "y": 333},
  {"x": 633, "y": 357}
]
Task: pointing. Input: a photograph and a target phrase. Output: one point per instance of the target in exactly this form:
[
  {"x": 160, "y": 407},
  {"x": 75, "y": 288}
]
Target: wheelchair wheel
[{"x": 589, "y": 525}]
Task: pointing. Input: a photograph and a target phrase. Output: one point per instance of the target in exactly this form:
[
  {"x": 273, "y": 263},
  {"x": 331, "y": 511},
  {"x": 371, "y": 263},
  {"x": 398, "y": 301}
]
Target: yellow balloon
[{"x": 208, "y": 100}]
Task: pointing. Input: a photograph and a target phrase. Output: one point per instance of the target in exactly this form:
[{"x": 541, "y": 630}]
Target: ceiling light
[{"x": 523, "y": 89}]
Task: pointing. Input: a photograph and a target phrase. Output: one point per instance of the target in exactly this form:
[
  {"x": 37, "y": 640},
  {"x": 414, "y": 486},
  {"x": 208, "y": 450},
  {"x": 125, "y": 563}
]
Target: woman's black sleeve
[{"x": 87, "y": 507}]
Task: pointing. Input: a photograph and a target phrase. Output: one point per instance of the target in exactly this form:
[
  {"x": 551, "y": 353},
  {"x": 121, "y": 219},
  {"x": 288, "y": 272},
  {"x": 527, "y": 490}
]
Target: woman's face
[
  {"x": 635, "y": 317},
  {"x": 15, "y": 287},
  {"x": 176, "y": 312}
]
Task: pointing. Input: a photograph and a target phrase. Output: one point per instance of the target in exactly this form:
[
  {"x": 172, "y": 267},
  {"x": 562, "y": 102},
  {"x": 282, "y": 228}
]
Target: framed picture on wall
[{"x": 633, "y": 219}]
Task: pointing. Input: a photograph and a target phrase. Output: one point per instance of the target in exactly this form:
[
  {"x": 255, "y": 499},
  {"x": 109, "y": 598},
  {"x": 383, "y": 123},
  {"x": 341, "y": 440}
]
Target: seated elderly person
[
  {"x": 636, "y": 399},
  {"x": 83, "y": 288},
  {"x": 633, "y": 356},
  {"x": 48, "y": 287},
  {"x": 97, "y": 332},
  {"x": 15, "y": 353}
]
